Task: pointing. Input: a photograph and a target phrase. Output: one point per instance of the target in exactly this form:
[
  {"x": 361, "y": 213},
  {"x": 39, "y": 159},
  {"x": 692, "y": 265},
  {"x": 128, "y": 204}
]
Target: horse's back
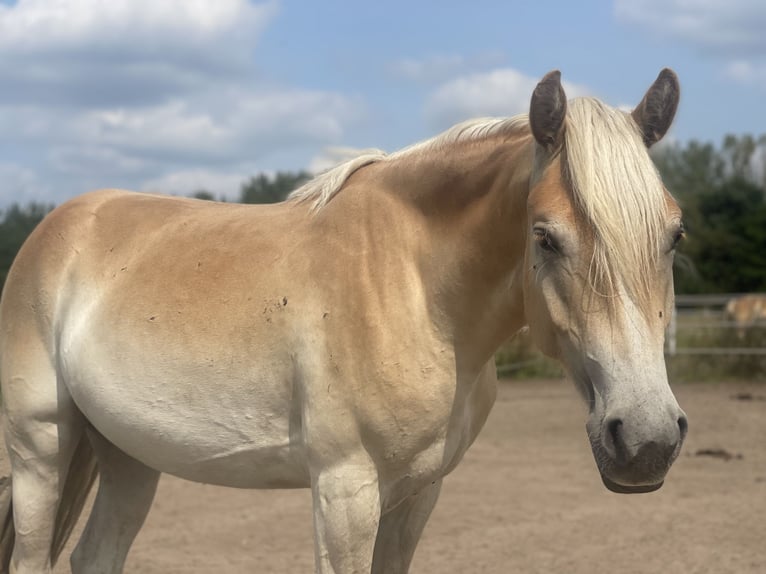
[{"x": 124, "y": 251}]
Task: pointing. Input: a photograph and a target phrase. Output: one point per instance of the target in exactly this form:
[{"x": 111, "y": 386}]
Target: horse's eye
[
  {"x": 544, "y": 240},
  {"x": 679, "y": 235}
]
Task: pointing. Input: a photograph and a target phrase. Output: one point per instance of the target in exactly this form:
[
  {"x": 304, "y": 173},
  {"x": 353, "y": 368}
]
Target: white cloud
[
  {"x": 22, "y": 185},
  {"x": 440, "y": 67},
  {"x": 501, "y": 92},
  {"x": 127, "y": 146},
  {"x": 728, "y": 31},
  {"x": 230, "y": 128},
  {"x": 426, "y": 69},
  {"x": 731, "y": 27},
  {"x": 746, "y": 72},
  {"x": 222, "y": 126},
  {"x": 311, "y": 115},
  {"x": 83, "y": 52},
  {"x": 54, "y": 25},
  {"x": 125, "y": 92},
  {"x": 740, "y": 70}
]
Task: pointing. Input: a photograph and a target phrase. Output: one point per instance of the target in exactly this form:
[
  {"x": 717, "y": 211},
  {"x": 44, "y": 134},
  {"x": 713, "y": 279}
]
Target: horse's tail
[
  {"x": 7, "y": 533},
  {"x": 79, "y": 480}
]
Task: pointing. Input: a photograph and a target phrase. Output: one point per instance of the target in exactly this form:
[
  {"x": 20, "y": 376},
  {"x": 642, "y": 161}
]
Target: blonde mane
[
  {"x": 615, "y": 185},
  {"x": 618, "y": 191},
  {"x": 325, "y": 186}
]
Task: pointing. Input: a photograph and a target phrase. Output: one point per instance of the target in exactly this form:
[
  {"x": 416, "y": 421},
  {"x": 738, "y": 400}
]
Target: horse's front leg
[
  {"x": 400, "y": 530},
  {"x": 346, "y": 515}
]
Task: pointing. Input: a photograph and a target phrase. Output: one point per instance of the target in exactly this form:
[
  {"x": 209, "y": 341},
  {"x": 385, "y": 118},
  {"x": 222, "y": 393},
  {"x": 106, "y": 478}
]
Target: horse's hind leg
[
  {"x": 42, "y": 429},
  {"x": 400, "y": 530},
  {"x": 125, "y": 493}
]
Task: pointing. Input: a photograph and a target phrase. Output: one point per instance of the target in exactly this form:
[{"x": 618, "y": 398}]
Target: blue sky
[{"x": 178, "y": 95}]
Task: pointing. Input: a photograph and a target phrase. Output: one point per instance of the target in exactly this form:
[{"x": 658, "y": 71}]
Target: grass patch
[
  {"x": 520, "y": 359},
  {"x": 716, "y": 367}
]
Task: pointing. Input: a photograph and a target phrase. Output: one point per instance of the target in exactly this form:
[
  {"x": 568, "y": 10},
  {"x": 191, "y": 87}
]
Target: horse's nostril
[
  {"x": 614, "y": 427},
  {"x": 615, "y": 441},
  {"x": 683, "y": 426}
]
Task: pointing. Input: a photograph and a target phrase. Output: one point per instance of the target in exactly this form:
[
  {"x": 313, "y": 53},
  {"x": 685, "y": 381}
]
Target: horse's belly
[
  {"x": 245, "y": 447},
  {"x": 240, "y": 465},
  {"x": 226, "y": 428}
]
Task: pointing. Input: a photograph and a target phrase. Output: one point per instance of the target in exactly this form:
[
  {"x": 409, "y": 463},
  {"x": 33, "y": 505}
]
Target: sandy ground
[{"x": 526, "y": 498}]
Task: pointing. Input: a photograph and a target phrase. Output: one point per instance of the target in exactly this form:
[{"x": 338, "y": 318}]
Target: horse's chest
[{"x": 442, "y": 440}]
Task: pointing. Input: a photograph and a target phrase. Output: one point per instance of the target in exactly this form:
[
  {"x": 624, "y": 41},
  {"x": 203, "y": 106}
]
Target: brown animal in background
[{"x": 746, "y": 311}]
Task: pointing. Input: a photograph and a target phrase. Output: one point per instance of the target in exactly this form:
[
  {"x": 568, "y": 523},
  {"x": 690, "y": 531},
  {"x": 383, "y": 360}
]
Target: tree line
[{"x": 722, "y": 190}]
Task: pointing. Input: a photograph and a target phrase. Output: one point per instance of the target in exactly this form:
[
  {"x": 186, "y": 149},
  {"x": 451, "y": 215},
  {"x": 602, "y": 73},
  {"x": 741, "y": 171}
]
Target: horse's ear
[
  {"x": 547, "y": 111},
  {"x": 656, "y": 111}
]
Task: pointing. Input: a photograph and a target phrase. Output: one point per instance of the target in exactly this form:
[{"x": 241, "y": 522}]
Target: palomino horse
[
  {"x": 342, "y": 340},
  {"x": 746, "y": 311}
]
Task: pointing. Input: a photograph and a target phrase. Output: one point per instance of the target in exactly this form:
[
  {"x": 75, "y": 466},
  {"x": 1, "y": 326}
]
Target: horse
[
  {"x": 746, "y": 311},
  {"x": 341, "y": 340}
]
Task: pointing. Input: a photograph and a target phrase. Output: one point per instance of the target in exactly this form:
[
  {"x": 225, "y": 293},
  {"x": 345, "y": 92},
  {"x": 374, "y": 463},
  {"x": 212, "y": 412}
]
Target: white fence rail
[{"x": 708, "y": 313}]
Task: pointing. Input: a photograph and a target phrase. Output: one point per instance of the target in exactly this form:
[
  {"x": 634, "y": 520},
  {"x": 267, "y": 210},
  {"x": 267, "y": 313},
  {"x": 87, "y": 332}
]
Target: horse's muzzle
[{"x": 634, "y": 458}]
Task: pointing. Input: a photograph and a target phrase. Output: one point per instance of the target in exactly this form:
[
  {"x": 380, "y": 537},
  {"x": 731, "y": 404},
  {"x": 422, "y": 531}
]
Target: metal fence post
[{"x": 671, "y": 339}]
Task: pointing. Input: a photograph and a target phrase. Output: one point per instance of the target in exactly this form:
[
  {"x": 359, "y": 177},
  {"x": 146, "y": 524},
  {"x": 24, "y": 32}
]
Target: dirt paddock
[{"x": 527, "y": 498}]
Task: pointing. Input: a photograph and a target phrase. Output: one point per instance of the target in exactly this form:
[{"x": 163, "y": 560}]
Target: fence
[
  {"x": 706, "y": 312},
  {"x": 701, "y": 343}
]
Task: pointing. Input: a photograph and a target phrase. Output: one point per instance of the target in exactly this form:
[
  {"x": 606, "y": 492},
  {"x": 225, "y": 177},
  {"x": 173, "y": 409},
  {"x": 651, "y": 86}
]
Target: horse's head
[{"x": 598, "y": 289}]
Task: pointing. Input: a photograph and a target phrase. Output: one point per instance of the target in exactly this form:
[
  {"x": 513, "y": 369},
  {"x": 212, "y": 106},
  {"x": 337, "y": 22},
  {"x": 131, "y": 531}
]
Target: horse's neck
[{"x": 472, "y": 197}]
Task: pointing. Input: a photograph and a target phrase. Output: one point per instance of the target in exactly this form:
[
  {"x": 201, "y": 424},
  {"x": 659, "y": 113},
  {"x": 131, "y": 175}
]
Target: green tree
[
  {"x": 730, "y": 251},
  {"x": 265, "y": 189},
  {"x": 722, "y": 193},
  {"x": 690, "y": 169},
  {"x": 203, "y": 194},
  {"x": 16, "y": 223}
]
